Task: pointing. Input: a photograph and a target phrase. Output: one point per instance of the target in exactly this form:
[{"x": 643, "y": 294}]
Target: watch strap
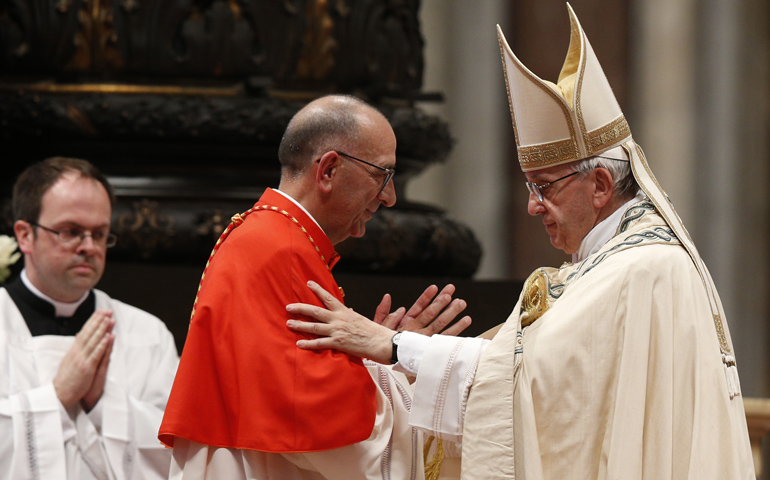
[{"x": 394, "y": 354}]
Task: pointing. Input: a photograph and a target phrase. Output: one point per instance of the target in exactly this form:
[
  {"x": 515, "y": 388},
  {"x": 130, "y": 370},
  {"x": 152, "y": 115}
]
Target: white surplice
[{"x": 117, "y": 439}]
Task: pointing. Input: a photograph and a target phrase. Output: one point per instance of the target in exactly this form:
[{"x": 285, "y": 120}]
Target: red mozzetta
[{"x": 242, "y": 381}]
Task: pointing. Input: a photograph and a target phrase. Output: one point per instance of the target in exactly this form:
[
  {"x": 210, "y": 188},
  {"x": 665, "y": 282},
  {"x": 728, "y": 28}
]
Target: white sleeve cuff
[
  {"x": 443, "y": 381},
  {"x": 410, "y": 350},
  {"x": 96, "y": 415}
]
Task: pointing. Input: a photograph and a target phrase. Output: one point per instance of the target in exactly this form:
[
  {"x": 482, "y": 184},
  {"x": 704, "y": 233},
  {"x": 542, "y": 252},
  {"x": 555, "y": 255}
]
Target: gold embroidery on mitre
[
  {"x": 535, "y": 300},
  {"x": 547, "y": 154},
  {"x": 535, "y": 157},
  {"x": 608, "y": 135}
]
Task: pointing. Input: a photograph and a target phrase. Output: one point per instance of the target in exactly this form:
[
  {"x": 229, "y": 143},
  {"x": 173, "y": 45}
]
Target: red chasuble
[{"x": 242, "y": 381}]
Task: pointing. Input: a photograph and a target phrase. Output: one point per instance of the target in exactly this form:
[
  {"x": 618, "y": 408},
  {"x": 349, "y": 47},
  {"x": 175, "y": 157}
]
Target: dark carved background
[
  {"x": 372, "y": 45},
  {"x": 182, "y": 103}
]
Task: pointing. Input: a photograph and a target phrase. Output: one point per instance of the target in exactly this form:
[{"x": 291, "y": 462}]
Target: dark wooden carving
[
  {"x": 145, "y": 231},
  {"x": 317, "y": 45},
  {"x": 188, "y": 116},
  {"x": 410, "y": 240}
]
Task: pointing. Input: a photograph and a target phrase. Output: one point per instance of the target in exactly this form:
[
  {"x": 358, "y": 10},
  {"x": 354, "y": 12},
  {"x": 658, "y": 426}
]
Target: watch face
[{"x": 397, "y": 338}]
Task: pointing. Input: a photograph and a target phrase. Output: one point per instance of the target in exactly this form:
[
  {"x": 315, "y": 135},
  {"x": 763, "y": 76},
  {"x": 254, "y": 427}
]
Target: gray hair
[{"x": 625, "y": 184}]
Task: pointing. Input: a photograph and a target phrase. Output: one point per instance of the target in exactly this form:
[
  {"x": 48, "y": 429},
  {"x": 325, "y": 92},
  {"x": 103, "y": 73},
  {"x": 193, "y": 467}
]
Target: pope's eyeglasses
[{"x": 537, "y": 190}]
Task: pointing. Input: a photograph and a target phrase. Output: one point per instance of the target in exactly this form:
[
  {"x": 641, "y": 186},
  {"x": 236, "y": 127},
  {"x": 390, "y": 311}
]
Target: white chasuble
[{"x": 609, "y": 369}]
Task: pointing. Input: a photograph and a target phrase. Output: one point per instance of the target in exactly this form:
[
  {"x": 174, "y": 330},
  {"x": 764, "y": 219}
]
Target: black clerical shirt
[{"x": 40, "y": 315}]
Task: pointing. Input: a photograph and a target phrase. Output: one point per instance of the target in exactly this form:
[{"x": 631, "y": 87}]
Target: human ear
[
  {"x": 25, "y": 236},
  {"x": 603, "y": 187},
  {"x": 327, "y": 169}
]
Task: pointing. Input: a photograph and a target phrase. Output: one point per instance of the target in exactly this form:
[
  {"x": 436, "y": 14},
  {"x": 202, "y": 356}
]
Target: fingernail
[
  {"x": 290, "y": 323},
  {"x": 289, "y": 308}
]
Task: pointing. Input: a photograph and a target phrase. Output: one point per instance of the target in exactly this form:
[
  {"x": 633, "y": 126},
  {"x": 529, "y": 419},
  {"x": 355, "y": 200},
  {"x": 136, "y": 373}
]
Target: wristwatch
[{"x": 394, "y": 355}]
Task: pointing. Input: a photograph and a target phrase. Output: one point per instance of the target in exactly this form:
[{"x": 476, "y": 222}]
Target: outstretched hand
[
  {"x": 341, "y": 328},
  {"x": 428, "y": 315}
]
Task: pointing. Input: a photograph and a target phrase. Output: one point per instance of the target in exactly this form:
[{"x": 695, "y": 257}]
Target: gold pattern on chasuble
[
  {"x": 721, "y": 334},
  {"x": 534, "y": 302}
]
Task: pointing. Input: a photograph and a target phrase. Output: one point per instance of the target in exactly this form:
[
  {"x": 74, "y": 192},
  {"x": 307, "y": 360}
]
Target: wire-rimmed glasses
[
  {"x": 388, "y": 171},
  {"x": 537, "y": 190},
  {"x": 72, "y": 236}
]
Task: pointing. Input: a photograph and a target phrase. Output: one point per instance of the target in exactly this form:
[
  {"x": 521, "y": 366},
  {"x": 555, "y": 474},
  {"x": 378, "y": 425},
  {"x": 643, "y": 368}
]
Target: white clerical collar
[
  {"x": 603, "y": 232},
  {"x": 63, "y": 309},
  {"x": 299, "y": 205}
]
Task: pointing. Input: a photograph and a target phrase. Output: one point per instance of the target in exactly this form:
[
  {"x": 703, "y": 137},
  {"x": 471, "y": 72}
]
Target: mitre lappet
[{"x": 579, "y": 117}]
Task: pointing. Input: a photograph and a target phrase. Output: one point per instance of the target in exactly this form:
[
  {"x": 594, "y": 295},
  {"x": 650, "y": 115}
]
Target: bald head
[
  {"x": 333, "y": 122},
  {"x": 337, "y": 158}
]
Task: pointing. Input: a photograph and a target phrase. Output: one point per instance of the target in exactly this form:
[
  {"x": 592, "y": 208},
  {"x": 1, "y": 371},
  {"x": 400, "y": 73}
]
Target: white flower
[{"x": 8, "y": 245}]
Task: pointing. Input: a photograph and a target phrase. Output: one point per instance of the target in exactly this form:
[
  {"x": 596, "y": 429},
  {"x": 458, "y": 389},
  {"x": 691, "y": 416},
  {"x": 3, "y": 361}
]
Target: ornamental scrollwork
[{"x": 145, "y": 229}]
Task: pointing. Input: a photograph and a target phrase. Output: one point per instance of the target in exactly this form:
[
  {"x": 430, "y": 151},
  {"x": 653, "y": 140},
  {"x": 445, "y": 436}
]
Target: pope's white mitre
[{"x": 576, "y": 118}]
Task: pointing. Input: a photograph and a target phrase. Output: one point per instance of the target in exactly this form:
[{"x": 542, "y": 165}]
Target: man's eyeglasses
[
  {"x": 537, "y": 190},
  {"x": 389, "y": 172},
  {"x": 69, "y": 237}
]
